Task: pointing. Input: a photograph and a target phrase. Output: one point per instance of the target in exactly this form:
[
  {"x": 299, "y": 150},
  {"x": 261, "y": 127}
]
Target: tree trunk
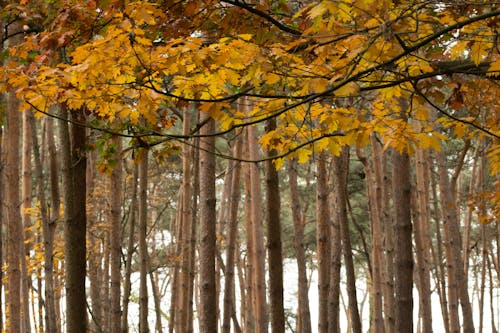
[
  {"x": 73, "y": 145},
  {"x": 185, "y": 232},
  {"x": 374, "y": 192},
  {"x": 304, "y": 318},
  {"x": 438, "y": 258},
  {"x": 341, "y": 171},
  {"x": 208, "y": 313},
  {"x": 334, "y": 293},
  {"x": 12, "y": 203},
  {"x": 322, "y": 242},
  {"x": 143, "y": 247},
  {"x": 116, "y": 189},
  {"x": 422, "y": 239},
  {"x": 275, "y": 257},
  {"x": 260, "y": 312},
  {"x": 130, "y": 249},
  {"x": 48, "y": 228},
  {"x": 231, "y": 241},
  {"x": 403, "y": 242},
  {"x": 250, "y": 252},
  {"x": 28, "y": 237},
  {"x": 453, "y": 242}
]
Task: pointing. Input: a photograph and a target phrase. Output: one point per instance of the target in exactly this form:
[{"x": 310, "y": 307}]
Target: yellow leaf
[
  {"x": 303, "y": 155},
  {"x": 272, "y": 78},
  {"x": 349, "y": 89},
  {"x": 245, "y": 37},
  {"x": 494, "y": 69},
  {"x": 479, "y": 51}
]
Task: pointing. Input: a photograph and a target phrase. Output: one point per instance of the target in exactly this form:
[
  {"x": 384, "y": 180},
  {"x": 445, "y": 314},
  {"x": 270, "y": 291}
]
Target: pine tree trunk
[
  {"x": 12, "y": 203},
  {"x": 374, "y": 192},
  {"x": 73, "y": 145},
  {"x": 143, "y": 248},
  {"x": 275, "y": 257},
  {"x": 116, "y": 193},
  {"x": 260, "y": 303},
  {"x": 341, "y": 171},
  {"x": 208, "y": 312},
  {"x": 403, "y": 242},
  {"x": 334, "y": 293},
  {"x": 250, "y": 252},
  {"x": 422, "y": 239},
  {"x": 323, "y": 242},
  {"x": 48, "y": 228},
  {"x": 229, "y": 299},
  {"x": 437, "y": 258},
  {"x": 26, "y": 197},
  {"x": 453, "y": 242},
  {"x": 185, "y": 232},
  {"x": 304, "y": 318},
  {"x": 130, "y": 249}
]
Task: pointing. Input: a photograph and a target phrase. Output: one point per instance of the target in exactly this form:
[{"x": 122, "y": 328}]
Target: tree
[{"x": 208, "y": 317}]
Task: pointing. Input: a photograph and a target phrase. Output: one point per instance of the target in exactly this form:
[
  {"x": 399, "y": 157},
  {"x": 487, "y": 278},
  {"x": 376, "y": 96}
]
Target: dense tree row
[{"x": 172, "y": 159}]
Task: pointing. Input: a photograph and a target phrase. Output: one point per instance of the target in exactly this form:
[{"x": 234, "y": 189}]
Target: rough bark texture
[
  {"x": 374, "y": 192},
  {"x": 73, "y": 159},
  {"x": 403, "y": 242},
  {"x": 275, "y": 257},
  {"x": 185, "y": 233},
  {"x": 130, "y": 249},
  {"x": 453, "y": 242},
  {"x": 143, "y": 248},
  {"x": 116, "y": 189},
  {"x": 323, "y": 242},
  {"x": 422, "y": 240},
  {"x": 14, "y": 223},
  {"x": 48, "y": 228},
  {"x": 229, "y": 307},
  {"x": 26, "y": 197},
  {"x": 208, "y": 313},
  {"x": 304, "y": 316},
  {"x": 341, "y": 170},
  {"x": 260, "y": 303}
]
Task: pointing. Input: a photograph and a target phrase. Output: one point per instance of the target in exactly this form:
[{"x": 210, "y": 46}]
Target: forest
[{"x": 249, "y": 166}]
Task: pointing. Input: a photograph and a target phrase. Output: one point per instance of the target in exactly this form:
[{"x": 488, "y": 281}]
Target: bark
[
  {"x": 73, "y": 160},
  {"x": 194, "y": 220},
  {"x": 28, "y": 237},
  {"x": 260, "y": 304},
  {"x": 403, "y": 242},
  {"x": 437, "y": 255},
  {"x": 334, "y": 293},
  {"x": 275, "y": 257},
  {"x": 380, "y": 162},
  {"x": 423, "y": 240},
  {"x": 453, "y": 243},
  {"x": 341, "y": 170},
  {"x": 185, "y": 232},
  {"x": 208, "y": 314},
  {"x": 130, "y": 249},
  {"x": 48, "y": 228},
  {"x": 304, "y": 318},
  {"x": 115, "y": 200},
  {"x": 96, "y": 238},
  {"x": 250, "y": 252},
  {"x": 12, "y": 203},
  {"x": 143, "y": 249},
  {"x": 153, "y": 278},
  {"x": 229, "y": 306},
  {"x": 323, "y": 242},
  {"x": 374, "y": 192}
]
